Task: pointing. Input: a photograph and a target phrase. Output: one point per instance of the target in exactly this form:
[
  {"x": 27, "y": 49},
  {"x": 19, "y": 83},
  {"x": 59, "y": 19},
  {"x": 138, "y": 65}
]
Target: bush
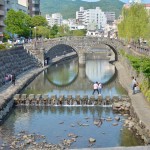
[{"x": 2, "y": 46}]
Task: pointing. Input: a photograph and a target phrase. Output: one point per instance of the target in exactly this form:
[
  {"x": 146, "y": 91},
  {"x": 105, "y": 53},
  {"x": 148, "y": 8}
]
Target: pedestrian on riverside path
[
  {"x": 137, "y": 88},
  {"x": 95, "y": 87},
  {"x": 133, "y": 84},
  {"x": 13, "y": 79}
]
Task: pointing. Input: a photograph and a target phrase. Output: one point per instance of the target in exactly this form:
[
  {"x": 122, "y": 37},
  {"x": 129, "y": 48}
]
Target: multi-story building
[
  {"x": 2, "y": 14},
  {"x": 5, "y": 6},
  {"x": 73, "y": 25},
  {"x": 23, "y": 2},
  {"x": 110, "y": 17},
  {"x": 56, "y": 18},
  {"x": 13, "y": 4},
  {"x": 134, "y": 1},
  {"x": 95, "y": 16},
  {"x": 34, "y": 7},
  {"x": 80, "y": 15}
]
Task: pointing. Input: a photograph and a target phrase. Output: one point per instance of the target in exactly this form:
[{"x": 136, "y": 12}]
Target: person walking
[
  {"x": 133, "y": 85},
  {"x": 95, "y": 87},
  {"x": 136, "y": 87},
  {"x": 100, "y": 88},
  {"x": 13, "y": 79}
]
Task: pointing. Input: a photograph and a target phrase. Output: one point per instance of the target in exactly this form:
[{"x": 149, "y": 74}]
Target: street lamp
[
  {"x": 30, "y": 33},
  {"x": 35, "y": 32},
  {"x": 35, "y": 38}
]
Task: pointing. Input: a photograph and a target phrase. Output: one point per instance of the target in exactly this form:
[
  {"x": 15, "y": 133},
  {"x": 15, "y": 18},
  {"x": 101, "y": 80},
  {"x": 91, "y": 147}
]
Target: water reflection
[
  {"x": 46, "y": 121},
  {"x": 63, "y": 73},
  {"x": 99, "y": 70},
  {"x": 67, "y": 78}
]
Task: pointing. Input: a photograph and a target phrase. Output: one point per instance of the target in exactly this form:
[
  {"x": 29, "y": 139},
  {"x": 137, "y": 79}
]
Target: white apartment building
[
  {"x": 73, "y": 25},
  {"x": 95, "y": 16},
  {"x": 80, "y": 14},
  {"x": 134, "y": 1},
  {"x": 54, "y": 19}
]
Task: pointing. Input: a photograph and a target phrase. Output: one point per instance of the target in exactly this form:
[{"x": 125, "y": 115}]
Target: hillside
[{"x": 68, "y": 8}]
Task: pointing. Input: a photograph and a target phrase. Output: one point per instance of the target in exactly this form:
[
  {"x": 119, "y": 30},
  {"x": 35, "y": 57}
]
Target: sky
[{"x": 125, "y": 1}]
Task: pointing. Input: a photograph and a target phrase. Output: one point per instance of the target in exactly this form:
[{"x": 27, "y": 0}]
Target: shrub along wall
[{"x": 138, "y": 67}]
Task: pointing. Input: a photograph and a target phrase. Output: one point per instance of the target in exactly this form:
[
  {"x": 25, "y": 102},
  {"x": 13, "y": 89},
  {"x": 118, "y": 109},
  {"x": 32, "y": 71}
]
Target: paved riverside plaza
[{"x": 141, "y": 107}]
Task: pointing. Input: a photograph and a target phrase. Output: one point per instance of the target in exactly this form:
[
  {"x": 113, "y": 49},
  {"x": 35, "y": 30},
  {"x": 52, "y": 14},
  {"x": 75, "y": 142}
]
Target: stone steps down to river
[
  {"x": 15, "y": 61},
  {"x": 117, "y": 103}
]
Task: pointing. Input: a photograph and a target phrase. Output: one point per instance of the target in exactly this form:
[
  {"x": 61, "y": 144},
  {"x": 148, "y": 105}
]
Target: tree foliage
[
  {"x": 38, "y": 21},
  {"x": 135, "y": 23},
  {"x": 40, "y": 31},
  {"x": 78, "y": 32},
  {"x": 17, "y": 22},
  {"x": 140, "y": 64}
]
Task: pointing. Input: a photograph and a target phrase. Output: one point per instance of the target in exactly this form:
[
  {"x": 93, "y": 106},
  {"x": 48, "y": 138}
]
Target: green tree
[
  {"x": 79, "y": 32},
  {"x": 41, "y": 31},
  {"x": 17, "y": 22},
  {"x": 38, "y": 21},
  {"x": 6, "y": 37},
  {"x": 135, "y": 23},
  {"x": 54, "y": 31}
]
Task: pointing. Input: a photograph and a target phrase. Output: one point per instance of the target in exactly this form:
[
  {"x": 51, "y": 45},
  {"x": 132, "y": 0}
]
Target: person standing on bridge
[{"x": 95, "y": 87}]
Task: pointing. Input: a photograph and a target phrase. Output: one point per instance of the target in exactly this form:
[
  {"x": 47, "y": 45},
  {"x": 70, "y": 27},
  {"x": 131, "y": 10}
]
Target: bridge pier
[
  {"x": 82, "y": 72},
  {"x": 82, "y": 59}
]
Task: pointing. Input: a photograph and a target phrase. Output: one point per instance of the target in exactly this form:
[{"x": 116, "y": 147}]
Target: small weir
[{"x": 118, "y": 103}]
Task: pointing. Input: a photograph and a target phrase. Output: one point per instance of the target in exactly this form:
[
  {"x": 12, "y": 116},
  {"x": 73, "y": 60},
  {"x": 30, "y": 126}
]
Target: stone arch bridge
[{"x": 53, "y": 48}]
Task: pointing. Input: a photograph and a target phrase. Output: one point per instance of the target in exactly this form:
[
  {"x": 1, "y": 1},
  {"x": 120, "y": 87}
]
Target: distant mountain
[{"x": 68, "y": 8}]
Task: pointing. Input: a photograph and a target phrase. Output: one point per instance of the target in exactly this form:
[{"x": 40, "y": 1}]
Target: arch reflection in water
[
  {"x": 76, "y": 83},
  {"x": 63, "y": 73},
  {"x": 99, "y": 70}
]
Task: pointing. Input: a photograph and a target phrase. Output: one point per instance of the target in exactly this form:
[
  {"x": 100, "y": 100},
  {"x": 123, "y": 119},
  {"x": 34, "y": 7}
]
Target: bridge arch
[
  {"x": 114, "y": 50},
  {"x": 79, "y": 45},
  {"x": 58, "y": 50}
]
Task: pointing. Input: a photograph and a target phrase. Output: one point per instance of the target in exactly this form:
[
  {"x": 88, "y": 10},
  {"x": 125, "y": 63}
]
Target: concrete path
[
  {"x": 118, "y": 148},
  {"x": 141, "y": 106},
  {"x": 8, "y": 91}
]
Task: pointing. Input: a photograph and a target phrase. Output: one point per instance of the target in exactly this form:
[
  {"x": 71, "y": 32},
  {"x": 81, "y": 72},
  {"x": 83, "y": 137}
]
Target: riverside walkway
[
  {"x": 141, "y": 106},
  {"x": 8, "y": 90},
  {"x": 118, "y": 148},
  {"x": 23, "y": 79}
]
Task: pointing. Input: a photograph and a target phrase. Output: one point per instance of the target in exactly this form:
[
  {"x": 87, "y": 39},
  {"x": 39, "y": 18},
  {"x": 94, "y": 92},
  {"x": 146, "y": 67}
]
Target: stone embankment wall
[
  {"x": 15, "y": 60},
  {"x": 131, "y": 71}
]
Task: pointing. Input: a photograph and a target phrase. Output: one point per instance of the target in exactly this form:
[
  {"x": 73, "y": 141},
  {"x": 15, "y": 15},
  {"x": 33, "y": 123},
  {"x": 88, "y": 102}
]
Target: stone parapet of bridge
[{"x": 81, "y": 45}]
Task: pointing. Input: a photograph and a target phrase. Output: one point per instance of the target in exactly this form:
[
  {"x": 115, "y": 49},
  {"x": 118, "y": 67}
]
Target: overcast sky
[{"x": 144, "y": 1}]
